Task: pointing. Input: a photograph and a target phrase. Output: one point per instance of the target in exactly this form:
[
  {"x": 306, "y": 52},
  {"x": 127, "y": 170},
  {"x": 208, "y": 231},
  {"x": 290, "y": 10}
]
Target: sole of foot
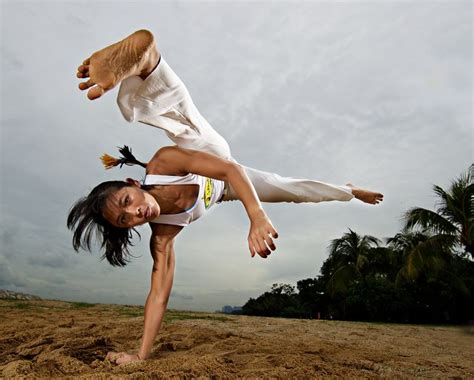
[{"x": 134, "y": 55}]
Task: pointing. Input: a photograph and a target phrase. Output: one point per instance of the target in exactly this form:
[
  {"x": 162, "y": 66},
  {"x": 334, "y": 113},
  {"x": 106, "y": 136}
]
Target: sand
[{"x": 48, "y": 339}]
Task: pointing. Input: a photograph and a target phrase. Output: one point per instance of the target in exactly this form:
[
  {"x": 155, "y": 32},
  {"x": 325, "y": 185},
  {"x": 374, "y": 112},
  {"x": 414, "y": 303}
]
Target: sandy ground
[{"x": 60, "y": 339}]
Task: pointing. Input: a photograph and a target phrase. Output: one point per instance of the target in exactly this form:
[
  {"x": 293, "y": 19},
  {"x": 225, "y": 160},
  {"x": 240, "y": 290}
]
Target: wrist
[{"x": 256, "y": 213}]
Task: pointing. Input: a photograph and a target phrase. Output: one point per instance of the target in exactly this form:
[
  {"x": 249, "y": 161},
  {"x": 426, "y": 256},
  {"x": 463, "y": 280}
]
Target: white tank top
[{"x": 210, "y": 192}]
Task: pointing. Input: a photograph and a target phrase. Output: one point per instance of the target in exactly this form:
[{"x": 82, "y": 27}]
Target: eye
[
  {"x": 127, "y": 200},
  {"x": 123, "y": 220}
]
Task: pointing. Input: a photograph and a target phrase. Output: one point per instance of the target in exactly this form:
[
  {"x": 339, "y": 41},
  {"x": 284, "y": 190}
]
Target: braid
[{"x": 127, "y": 159}]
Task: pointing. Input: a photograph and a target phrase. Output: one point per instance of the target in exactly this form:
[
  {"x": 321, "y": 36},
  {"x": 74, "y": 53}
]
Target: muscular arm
[
  {"x": 162, "y": 251},
  {"x": 175, "y": 160}
]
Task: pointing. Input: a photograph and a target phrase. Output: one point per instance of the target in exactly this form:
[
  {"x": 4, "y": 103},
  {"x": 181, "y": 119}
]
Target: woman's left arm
[{"x": 173, "y": 159}]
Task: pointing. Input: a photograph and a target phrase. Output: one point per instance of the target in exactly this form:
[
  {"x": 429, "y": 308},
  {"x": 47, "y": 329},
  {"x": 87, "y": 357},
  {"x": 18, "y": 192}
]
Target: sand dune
[{"x": 59, "y": 339}]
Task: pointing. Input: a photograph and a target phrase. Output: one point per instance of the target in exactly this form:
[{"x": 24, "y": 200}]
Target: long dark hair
[{"x": 85, "y": 218}]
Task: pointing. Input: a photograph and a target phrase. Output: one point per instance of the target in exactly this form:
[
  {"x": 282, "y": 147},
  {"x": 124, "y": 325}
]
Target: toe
[
  {"x": 83, "y": 75},
  {"x": 85, "y": 85},
  {"x": 83, "y": 68},
  {"x": 95, "y": 92},
  {"x": 87, "y": 61},
  {"x": 83, "y": 71}
]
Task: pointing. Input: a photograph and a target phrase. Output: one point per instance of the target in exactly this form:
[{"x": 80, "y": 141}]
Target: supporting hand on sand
[{"x": 122, "y": 357}]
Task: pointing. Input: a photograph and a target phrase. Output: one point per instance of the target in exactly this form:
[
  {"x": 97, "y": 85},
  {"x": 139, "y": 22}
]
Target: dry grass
[{"x": 61, "y": 339}]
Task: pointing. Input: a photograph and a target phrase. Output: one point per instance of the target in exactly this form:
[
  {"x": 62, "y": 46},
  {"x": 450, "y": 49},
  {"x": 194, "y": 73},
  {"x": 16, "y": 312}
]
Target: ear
[{"x": 134, "y": 182}]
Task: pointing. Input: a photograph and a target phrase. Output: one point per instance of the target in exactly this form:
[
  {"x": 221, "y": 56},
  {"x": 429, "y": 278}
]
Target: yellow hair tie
[{"x": 109, "y": 161}]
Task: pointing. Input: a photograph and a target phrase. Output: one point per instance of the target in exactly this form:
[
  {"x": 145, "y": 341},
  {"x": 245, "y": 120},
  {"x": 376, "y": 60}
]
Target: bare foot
[
  {"x": 366, "y": 195},
  {"x": 134, "y": 55}
]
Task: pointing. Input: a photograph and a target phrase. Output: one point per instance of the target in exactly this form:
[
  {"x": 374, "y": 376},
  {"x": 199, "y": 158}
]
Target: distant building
[{"x": 231, "y": 309}]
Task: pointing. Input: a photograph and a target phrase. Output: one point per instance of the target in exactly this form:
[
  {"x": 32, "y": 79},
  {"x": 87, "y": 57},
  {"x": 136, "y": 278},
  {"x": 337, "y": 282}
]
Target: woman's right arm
[{"x": 162, "y": 251}]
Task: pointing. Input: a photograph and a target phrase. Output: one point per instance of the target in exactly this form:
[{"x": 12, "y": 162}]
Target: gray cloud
[
  {"x": 9, "y": 278},
  {"x": 379, "y": 94},
  {"x": 50, "y": 261},
  {"x": 185, "y": 297}
]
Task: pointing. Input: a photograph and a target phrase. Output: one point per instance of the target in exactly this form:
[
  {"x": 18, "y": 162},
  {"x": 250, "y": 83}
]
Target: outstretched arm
[
  {"x": 175, "y": 160},
  {"x": 162, "y": 251}
]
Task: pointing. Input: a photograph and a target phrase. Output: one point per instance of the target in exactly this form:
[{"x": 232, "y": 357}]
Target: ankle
[{"x": 152, "y": 62}]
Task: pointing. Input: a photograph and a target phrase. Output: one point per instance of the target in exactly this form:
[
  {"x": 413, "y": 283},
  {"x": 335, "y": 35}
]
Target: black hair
[{"x": 85, "y": 217}]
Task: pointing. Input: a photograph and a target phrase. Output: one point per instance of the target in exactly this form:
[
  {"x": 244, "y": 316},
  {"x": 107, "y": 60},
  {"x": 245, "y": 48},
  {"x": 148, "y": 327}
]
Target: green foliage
[
  {"x": 81, "y": 305},
  {"x": 424, "y": 274},
  {"x": 22, "y": 305},
  {"x": 171, "y": 316}
]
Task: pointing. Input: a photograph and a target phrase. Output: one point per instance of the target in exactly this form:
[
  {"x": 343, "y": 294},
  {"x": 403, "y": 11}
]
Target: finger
[
  {"x": 269, "y": 242},
  {"x": 263, "y": 252},
  {"x": 262, "y": 249},
  {"x": 254, "y": 246},
  {"x": 87, "y": 61},
  {"x": 85, "y": 85},
  {"x": 110, "y": 355},
  {"x": 95, "y": 92},
  {"x": 255, "y": 250},
  {"x": 251, "y": 249},
  {"x": 122, "y": 360},
  {"x": 264, "y": 246},
  {"x": 275, "y": 233},
  {"x": 118, "y": 355}
]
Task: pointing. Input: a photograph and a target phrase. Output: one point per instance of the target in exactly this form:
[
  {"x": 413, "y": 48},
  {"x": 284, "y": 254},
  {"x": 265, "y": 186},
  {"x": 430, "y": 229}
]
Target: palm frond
[
  {"x": 341, "y": 280},
  {"x": 428, "y": 255},
  {"x": 427, "y": 220}
]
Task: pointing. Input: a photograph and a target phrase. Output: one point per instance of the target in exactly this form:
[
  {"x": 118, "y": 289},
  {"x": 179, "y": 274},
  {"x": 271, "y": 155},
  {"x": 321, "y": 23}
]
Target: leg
[
  {"x": 163, "y": 101},
  {"x": 150, "y": 92},
  {"x": 272, "y": 187}
]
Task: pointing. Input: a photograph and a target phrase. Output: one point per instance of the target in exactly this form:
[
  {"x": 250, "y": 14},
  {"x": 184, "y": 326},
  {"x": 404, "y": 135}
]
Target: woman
[{"x": 181, "y": 181}]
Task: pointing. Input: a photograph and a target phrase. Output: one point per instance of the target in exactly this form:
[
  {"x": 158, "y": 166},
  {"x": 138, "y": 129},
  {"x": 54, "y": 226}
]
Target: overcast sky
[{"x": 375, "y": 93}]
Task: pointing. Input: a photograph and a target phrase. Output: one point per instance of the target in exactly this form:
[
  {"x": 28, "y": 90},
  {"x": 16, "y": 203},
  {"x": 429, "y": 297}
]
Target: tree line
[{"x": 423, "y": 274}]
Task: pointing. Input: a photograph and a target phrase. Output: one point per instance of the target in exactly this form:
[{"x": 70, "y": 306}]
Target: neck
[{"x": 164, "y": 200}]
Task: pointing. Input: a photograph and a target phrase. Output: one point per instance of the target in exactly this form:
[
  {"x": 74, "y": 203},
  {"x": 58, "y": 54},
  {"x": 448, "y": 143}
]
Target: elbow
[
  {"x": 158, "y": 299},
  {"x": 234, "y": 169}
]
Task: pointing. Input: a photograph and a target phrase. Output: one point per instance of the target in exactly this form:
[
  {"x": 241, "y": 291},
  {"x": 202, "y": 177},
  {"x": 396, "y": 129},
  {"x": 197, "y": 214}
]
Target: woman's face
[{"x": 130, "y": 206}]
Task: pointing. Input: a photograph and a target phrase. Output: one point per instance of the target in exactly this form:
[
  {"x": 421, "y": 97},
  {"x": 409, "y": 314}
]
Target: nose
[{"x": 135, "y": 211}]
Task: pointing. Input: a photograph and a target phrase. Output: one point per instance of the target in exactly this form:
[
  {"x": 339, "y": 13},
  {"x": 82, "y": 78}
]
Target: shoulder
[{"x": 166, "y": 161}]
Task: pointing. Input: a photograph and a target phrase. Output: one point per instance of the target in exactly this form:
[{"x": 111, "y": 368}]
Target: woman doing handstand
[{"x": 181, "y": 181}]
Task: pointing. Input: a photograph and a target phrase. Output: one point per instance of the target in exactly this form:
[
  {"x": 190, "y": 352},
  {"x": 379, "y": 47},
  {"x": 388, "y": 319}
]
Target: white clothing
[
  {"x": 210, "y": 192},
  {"x": 163, "y": 101}
]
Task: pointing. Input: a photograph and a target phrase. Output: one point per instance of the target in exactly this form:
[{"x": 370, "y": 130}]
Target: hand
[
  {"x": 122, "y": 357},
  {"x": 260, "y": 235}
]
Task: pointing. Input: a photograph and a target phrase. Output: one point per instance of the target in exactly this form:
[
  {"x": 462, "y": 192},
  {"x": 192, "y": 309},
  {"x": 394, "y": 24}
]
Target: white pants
[{"x": 163, "y": 101}]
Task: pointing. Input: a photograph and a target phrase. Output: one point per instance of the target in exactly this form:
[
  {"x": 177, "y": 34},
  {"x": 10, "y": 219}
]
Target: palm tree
[
  {"x": 451, "y": 226},
  {"x": 417, "y": 251},
  {"x": 347, "y": 260}
]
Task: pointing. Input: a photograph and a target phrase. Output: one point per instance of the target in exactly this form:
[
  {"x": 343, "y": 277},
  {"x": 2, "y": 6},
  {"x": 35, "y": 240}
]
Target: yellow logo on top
[{"x": 208, "y": 189}]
